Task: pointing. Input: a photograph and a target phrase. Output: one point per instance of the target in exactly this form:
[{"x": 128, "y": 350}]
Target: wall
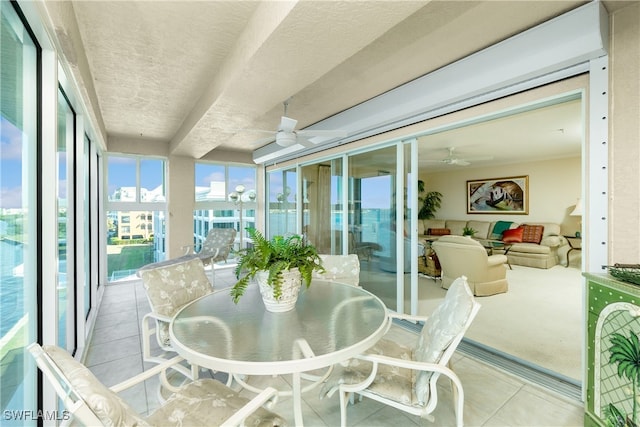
[
  {"x": 624, "y": 135},
  {"x": 554, "y": 187}
]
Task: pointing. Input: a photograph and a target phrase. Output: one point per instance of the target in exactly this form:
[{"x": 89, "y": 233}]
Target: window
[
  {"x": 136, "y": 214},
  {"x": 215, "y": 208},
  {"x": 18, "y": 217},
  {"x": 64, "y": 189}
]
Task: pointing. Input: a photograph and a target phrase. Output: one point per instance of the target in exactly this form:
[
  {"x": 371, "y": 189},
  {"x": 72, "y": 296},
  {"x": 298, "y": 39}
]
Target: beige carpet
[{"x": 540, "y": 319}]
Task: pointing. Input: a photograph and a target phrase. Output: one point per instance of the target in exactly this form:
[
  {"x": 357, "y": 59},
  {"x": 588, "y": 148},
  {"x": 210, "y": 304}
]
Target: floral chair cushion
[
  {"x": 104, "y": 403},
  {"x": 340, "y": 268},
  {"x": 446, "y": 322},
  {"x": 208, "y": 402},
  {"x": 402, "y": 385},
  {"x": 218, "y": 244},
  {"x": 170, "y": 287}
]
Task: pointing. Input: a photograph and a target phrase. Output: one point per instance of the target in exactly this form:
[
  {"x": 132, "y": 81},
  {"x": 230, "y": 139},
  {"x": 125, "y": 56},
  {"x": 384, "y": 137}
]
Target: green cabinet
[{"x": 613, "y": 352}]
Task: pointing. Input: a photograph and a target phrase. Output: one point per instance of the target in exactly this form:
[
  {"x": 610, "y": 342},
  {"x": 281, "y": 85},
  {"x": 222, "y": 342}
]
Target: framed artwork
[{"x": 498, "y": 195}]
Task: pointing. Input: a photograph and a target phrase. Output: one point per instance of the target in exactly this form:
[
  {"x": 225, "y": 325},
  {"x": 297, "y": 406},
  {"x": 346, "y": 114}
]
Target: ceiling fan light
[{"x": 286, "y": 139}]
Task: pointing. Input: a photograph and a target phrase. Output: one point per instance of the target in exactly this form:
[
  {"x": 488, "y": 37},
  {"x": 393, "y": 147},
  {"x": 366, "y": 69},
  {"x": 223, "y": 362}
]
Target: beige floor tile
[
  {"x": 492, "y": 397},
  {"x": 529, "y": 408}
]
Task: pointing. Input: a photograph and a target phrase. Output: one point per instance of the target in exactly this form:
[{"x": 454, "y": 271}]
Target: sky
[{"x": 10, "y": 165}]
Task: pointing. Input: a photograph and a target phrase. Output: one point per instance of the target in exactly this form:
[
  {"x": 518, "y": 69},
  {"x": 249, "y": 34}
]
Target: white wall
[{"x": 554, "y": 187}]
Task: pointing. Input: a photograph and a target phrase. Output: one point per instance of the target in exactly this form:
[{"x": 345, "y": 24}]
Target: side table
[{"x": 575, "y": 244}]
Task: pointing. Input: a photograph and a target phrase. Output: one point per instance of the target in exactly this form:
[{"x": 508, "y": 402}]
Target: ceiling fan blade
[
  {"x": 337, "y": 133},
  {"x": 287, "y": 124},
  {"x": 305, "y": 142},
  {"x": 263, "y": 141},
  {"x": 477, "y": 159},
  {"x": 459, "y": 162}
]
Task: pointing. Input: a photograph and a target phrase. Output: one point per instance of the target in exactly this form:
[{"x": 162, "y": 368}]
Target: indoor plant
[
  {"x": 271, "y": 260},
  {"x": 468, "y": 231},
  {"x": 428, "y": 204}
]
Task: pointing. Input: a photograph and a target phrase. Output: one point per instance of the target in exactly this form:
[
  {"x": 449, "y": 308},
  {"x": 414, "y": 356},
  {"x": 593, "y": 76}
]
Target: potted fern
[{"x": 279, "y": 265}]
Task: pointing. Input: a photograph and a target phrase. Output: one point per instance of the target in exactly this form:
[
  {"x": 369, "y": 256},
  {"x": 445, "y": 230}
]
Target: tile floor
[{"x": 492, "y": 397}]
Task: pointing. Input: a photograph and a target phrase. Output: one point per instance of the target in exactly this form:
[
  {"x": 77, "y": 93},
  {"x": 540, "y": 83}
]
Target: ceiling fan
[
  {"x": 287, "y": 135},
  {"x": 452, "y": 159}
]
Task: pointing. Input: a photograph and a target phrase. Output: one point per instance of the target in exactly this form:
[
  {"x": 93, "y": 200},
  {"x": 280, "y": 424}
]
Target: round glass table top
[{"x": 330, "y": 323}]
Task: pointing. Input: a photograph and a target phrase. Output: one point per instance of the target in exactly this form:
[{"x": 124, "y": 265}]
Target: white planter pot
[{"x": 292, "y": 280}]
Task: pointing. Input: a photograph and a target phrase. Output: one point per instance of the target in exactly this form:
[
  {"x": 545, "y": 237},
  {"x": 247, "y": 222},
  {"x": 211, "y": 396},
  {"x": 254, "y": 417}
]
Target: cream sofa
[{"x": 542, "y": 255}]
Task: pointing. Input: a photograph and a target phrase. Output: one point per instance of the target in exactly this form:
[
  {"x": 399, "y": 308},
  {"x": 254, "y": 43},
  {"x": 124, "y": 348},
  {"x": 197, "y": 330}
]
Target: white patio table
[{"x": 330, "y": 323}]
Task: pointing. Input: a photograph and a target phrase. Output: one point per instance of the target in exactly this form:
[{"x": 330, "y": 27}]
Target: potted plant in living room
[
  {"x": 279, "y": 266},
  {"x": 429, "y": 204},
  {"x": 468, "y": 231}
]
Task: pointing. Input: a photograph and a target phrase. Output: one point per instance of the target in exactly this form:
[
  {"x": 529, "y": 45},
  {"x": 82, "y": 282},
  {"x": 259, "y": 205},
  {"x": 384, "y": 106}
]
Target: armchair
[
  {"x": 198, "y": 403},
  {"x": 404, "y": 377},
  {"x": 464, "y": 256}
]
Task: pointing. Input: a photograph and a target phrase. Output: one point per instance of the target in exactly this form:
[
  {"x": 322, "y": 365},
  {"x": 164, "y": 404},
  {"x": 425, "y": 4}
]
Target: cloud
[
  {"x": 11, "y": 140},
  {"x": 11, "y": 197}
]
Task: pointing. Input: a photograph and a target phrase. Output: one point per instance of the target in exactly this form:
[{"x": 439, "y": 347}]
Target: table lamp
[{"x": 577, "y": 211}]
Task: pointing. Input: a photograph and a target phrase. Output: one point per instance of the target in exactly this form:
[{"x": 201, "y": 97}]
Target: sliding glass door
[
  {"x": 281, "y": 202},
  {"x": 322, "y": 193}
]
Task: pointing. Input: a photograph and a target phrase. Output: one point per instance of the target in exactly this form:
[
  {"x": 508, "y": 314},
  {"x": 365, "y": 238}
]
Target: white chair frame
[
  {"x": 83, "y": 413},
  {"x": 441, "y": 368}
]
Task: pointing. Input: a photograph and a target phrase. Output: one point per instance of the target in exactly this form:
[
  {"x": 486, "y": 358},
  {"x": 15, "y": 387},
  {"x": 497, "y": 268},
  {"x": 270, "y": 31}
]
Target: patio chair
[
  {"x": 204, "y": 402},
  {"x": 340, "y": 268},
  {"x": 406, "y": 377},
  {"x": 216, "y": 246},
  {"x": 169, "y": 288}
]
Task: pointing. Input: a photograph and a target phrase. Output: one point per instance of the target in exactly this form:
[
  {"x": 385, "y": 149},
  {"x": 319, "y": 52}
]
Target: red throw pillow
[
  {"x": 532, "y": 233},
  {"x": 513, "y": 236},
  {"x": 438, "y": 231}
]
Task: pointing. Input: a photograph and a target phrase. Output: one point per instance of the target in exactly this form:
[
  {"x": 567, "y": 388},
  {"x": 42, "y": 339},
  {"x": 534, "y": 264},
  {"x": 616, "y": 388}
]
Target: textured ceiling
[{"x": 202, "y": 75}]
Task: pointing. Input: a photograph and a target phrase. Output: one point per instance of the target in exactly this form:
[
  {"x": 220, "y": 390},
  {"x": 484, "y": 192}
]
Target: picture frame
[{"x": 508, "y": 195}]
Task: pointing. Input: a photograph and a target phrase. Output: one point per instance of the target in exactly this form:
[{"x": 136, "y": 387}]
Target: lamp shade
[{"x": 577, "y": 211}]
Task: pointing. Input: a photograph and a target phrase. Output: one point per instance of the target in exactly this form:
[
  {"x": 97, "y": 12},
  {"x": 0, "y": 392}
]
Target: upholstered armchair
[
  {"x": 204, "y": 402},
  {"x": 406, "y": 377},
  {"x": 169, "y": 287},
  {"x": 340, "y": 268},
  {"x": 464, "y": 256}
]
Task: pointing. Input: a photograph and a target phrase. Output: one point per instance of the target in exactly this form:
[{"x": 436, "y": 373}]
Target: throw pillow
[
  {"x": 438, "y": 231},
  {"x": 499, "y": 228},
  {"x": 513, "y": 236},
  {"x": 532, "y": 233}
]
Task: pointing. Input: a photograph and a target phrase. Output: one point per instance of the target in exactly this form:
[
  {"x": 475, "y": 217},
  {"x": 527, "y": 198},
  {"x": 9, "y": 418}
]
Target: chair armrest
[
  {"x": 269, "y": 394},
  {"x": 407, "y": 317},
  {"x": 155, "y": 370},
  {"x": 377, "y": 359},
  {"x": 497, "y": 260},
  {"x": 188, "y": 249},
  {"x": 209, "y": 255},
  {"x": 157, "y": 316}
]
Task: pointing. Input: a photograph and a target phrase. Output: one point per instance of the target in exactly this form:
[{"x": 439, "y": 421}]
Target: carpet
[{"x": 539, "y": 320}]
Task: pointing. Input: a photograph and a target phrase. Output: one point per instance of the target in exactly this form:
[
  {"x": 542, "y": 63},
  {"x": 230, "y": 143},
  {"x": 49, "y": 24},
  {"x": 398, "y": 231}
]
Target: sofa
[{"x": 536, "y": 247}]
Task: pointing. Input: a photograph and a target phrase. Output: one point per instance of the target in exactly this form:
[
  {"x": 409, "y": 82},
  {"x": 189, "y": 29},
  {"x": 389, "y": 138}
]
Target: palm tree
[{"x": 626, "y": 353}]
